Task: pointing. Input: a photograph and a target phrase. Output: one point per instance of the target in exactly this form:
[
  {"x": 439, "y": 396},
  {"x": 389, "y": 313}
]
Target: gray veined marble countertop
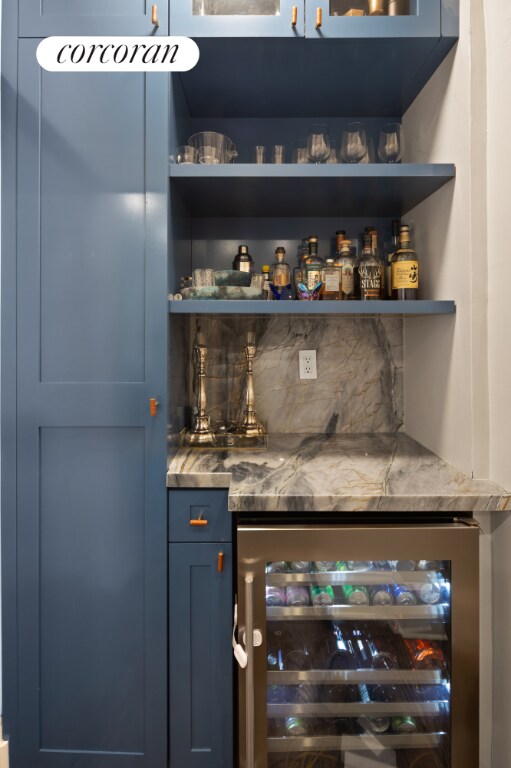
[{"x": 336, "y": 473}]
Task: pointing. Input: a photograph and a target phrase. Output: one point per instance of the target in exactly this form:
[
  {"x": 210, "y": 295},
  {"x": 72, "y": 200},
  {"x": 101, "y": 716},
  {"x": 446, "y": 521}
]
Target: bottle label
[
  {"x": 313, "y": 278},
  {"x": 347, "y": 280},
  {"x": 332, "y": 282},
  {"x": 405, "y": 274},
  {"x": 370, "y": 281}
]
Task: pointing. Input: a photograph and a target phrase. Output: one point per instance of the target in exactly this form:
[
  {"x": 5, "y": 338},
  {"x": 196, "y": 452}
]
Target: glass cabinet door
[
  {"x": 357, "y": 669},
  {"x": 373, "y": 18},
  {"x": 237, "y": 18}
]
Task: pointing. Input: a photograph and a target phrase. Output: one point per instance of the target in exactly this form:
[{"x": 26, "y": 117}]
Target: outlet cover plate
[{"x": 307, "y": 364}]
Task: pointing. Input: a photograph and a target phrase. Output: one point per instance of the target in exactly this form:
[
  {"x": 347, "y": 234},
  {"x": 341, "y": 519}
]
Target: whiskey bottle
[
  {"x": 389, "y": 253},
  {"x": 376, "y": 253},
  {"x": 405, "y": 269},
  {"x": 369, "y": 271},
  {"x": 280, "y": 272},
  {"x": 331, "y": 278},
  {"x": 346, "y": 263},
  {"x": 312, "y": 265}
]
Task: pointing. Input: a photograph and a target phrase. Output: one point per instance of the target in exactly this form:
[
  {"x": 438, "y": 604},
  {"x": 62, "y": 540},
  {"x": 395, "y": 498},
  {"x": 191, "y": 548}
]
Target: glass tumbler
[
  {"x": 259, "y": 154},
  {"x": 186, "y": 155},
  {"x": 203, "y": 277},
  {"x": 279, "y": 153},
  {"x": 208, "y": 156}
]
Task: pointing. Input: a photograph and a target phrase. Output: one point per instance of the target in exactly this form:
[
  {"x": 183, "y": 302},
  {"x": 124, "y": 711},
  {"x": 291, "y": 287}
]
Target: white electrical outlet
[{"x": 307, "y": 364}]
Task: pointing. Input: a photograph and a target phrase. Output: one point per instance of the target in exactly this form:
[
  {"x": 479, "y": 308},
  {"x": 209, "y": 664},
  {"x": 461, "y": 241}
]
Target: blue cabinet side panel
[{"x": 200, "y": 656}]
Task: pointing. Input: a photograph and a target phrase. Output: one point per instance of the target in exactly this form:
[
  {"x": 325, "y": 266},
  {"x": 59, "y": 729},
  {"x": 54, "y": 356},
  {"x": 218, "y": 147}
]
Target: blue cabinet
[
  {"x": 91, "y": 17},
  {"x": 200, "y": 627},
  {"x": 237, "y": 18},
  {"x": 85, "y": 488}
]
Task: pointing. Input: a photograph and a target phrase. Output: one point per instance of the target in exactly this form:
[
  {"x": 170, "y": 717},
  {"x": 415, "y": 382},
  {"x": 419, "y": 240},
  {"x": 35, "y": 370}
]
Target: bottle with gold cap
[
  {"x": 312, "y": 268},
  {"x": 280, "y": 272},
  {"x": 265, "y": 270},
  {"x": 405, "y": 268}
]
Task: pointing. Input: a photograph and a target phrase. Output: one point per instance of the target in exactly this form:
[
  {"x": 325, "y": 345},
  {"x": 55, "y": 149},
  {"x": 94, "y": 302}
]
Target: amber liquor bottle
[{"x": 405, "y": 269}]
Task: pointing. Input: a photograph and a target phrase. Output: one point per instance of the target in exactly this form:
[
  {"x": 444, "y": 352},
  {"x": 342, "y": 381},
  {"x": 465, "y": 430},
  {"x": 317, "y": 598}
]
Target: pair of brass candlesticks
[{"x": 250, "y": 432}]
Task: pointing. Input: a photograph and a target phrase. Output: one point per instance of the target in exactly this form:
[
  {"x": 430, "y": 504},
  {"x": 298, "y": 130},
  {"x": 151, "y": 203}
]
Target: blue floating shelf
[
  {"x": 307, "y": 190},
  {"x": 346, "y": 308}
]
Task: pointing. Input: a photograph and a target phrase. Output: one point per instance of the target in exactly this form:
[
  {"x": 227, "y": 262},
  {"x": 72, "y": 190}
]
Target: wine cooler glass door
[{"x": 355, "y": 636}]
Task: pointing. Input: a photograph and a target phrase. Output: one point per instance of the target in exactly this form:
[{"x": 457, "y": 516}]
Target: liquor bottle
[
  {"x": 265, "y": 270},
  {"x": 331, "y": 279},
  {"x": 303, "y": 253},
  {"x": 375, "y": 247},
  {"x": 312, "y": 266},
  {"x": 394, "y": 245},
  {"x": 405, "y": 269},
  {"x": 426, "y": 655},
  {"x": 346, "y": 263},
  {"x": 243, "y": 261},
  {"x": 369, "y": 272},
  {"x": 280, "y": 272}
]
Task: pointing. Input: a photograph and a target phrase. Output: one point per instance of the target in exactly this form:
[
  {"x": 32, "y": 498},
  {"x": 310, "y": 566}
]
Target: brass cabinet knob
[
  {"x": 294, "y": 15},
  {"x": 220, "y": 562},
  {"x": 154, "y": 16},
  {"x": 319, "y": 17},
  {"x": 153, "y": 405}
]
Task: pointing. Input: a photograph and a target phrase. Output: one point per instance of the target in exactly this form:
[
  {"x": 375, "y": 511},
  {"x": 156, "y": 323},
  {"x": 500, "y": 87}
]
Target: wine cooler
[{"x": 357, "y": 645}]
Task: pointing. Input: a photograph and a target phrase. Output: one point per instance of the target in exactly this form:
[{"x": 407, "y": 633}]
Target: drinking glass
[
  {"x": 318, "y": 144},
  {"x": 354, "y": 143},
  {"x": 208, "y": 155},
  {"x": 186, "y": 155},
  {"x": 279, "y": 153},
  {"x": 259, "y": 154},
  {"x": 203, "y": 277},
  {"x": 300, "y": 152},
  {"x": 391, "y": 145}
]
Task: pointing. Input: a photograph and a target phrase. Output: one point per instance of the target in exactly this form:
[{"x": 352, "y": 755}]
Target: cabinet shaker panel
[
  {"x": 200, "y": 656},
  {"x": 40, "y": 18}
]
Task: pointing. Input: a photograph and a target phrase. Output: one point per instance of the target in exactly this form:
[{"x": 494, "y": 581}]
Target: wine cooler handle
[
  {"x": 239, "y": 651},
  {"x": 249, "y": 680}
]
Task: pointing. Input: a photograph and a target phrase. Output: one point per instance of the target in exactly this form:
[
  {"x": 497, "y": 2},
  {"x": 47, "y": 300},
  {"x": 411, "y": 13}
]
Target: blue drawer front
[{"x": 188, "y": 506}]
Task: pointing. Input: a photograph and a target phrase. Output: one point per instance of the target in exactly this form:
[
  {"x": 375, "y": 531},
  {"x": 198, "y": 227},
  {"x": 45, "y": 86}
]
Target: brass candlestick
[
  {"x": 250, "y": 427},
  {"x": 201, "y": 432}
]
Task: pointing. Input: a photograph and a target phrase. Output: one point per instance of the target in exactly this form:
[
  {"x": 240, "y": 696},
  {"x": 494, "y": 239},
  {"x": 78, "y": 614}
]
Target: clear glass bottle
[
  {"x": 390, "y": 251},
  {"x": 369, "y": 271},
  {"x": 243, "y": 260},
  {"x": 312, "y": 266},
  {"x": 346, "y": 263},
  {"x": 303, "y": 252},
  {"x": 405, "y": 269},
  {"x": 331, "y": 279},
  {"x": 280, "y": 272},
  {"x": 265, "y": 270},
  {"x": 377, "y": 254}
]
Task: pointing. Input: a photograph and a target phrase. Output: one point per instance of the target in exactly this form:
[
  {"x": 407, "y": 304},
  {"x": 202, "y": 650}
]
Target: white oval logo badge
[{"x": 117, "y": 54}]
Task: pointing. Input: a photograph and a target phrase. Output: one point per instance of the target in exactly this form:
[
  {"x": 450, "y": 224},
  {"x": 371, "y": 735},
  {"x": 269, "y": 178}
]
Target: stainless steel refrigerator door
[{"x": 271, "y": 733}]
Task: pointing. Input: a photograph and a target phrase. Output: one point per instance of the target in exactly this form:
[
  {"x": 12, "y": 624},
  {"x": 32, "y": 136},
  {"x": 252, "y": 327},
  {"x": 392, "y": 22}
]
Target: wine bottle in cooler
[{"x": 425, "y": 654}]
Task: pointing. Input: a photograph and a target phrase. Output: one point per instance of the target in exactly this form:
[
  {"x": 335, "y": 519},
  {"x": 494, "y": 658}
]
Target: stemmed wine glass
[
  {"x": 318, "y": 144},
  {"x": 354, "y": 143},
  {"x": 391, "y": 145}
]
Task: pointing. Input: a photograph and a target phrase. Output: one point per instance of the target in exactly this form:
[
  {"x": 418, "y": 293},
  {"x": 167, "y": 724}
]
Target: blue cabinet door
[
  {"x": 91, "y": 461},
  {"x": 237, "y": 18},
  {"x": 91, "y": 17},
  {"x": 200, "y": 656}
]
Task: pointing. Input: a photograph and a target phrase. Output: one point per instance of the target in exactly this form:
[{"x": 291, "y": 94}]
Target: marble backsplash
[{"x": 360, "y": 372}]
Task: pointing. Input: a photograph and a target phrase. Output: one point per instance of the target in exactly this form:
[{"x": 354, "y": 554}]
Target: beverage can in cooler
[
  {"x": 378, "y": 724},
  {"x": 381, "y": 565},
  {"x": 297, "y": 596},
  {"x": 325, "y": 565},
  {"x": 359, "y": 565},
  {"x": 295, "y": 726},
  {"x": 402, "y": 565},
  {"x": 405, "y": 724},
  {"x": 403, "y": 595},
  {"x": 381, "y": 594},
  {"x": 429, "y": 565},
  {"x": 341, "y": 565},
  {"x": 355, "y": 594},
  {"x": 300, "y": 566},
  {"x": 275, "y": 596},
  {"x": 322, "y": 595},
  {"x": 277, "y": 567},
  {"x": 430, "y": 593}
]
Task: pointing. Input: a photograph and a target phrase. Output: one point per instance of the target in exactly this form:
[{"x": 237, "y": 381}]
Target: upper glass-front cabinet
[
  {"x": 92, "y": 17},
  {"x": 301, "y": 18},
  {"x": 237, "y": 18}
]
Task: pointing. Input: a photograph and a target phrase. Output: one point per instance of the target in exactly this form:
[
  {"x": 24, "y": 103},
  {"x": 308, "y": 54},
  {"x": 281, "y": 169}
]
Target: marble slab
[{"x": 377, "y": 472}]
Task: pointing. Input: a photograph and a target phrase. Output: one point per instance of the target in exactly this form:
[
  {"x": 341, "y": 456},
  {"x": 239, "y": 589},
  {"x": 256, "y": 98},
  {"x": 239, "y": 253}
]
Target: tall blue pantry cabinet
[{"x": 84, "y": 342}]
